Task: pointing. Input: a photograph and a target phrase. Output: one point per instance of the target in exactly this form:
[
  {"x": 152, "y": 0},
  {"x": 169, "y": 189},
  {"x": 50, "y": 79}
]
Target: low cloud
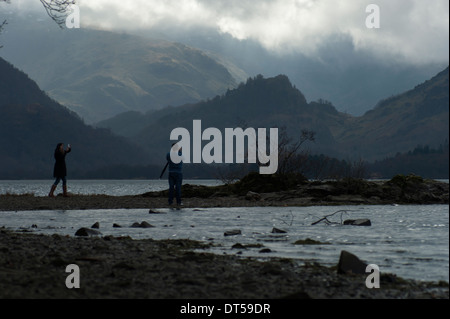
[{"x": 416, "y": 31}]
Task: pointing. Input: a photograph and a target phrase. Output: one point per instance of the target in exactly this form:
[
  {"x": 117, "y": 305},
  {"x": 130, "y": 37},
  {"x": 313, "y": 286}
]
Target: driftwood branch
[
  {"x": 325, "y": 218},
  {"x": 291, "y": 222}
]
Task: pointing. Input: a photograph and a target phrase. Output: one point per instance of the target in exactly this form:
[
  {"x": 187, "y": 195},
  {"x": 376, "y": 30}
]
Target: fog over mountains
[
  {"x": 101, "y": 74},
  {"x": 136, "y": 84}
]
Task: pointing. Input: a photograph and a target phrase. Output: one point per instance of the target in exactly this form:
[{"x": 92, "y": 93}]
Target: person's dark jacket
[
  {"x": 60, "y": 169},
  {"x": 174, "y": 168}
]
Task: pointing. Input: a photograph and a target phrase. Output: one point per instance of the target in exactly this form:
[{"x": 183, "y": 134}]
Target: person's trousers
[
  {"x": 175, "y": 181},
  {"x": 58, "y": 179}
]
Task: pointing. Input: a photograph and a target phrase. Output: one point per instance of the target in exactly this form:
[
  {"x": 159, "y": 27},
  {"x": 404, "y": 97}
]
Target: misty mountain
[
  {"x": 99, "y": 74},
  {"x": 31, "y": 124},
  {"x": 353, "y": 80},
  {"x": 397, "y": 124},
  {"x": 400, "y": 123}
]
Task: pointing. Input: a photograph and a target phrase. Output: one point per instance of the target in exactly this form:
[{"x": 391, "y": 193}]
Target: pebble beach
[{"x": 34, "y": 266}]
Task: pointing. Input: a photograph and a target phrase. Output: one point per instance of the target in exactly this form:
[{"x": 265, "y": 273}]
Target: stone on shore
[
  {"x": 144, "y": 224},
  {"x": 87, "y": 232},
  {"x": 278, "y": 231},
  {"x": 309, "y": 241},
  {"x": 350, "y": 264},
  {"x": 155, "y": 212},
  {"x": 358, "y": 222},
  {"x": 234, "y": 232},
  {"x": 96, "y": 225}
]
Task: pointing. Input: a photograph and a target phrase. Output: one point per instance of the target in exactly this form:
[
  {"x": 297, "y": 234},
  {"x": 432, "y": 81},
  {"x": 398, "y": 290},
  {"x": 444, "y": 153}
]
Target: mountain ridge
[
  {"x": 31, "y": 124},
  {"x": 99, "y": 74},
  {"x": 396, "y": 124},
  {"x": 419, "y": 116}
]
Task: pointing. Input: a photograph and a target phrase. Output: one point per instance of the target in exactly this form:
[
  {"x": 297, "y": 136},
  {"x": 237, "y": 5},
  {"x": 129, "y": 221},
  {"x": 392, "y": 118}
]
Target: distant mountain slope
[
  {"x": 259, "y": 103},
  {"x": 354, "y": 80},
  {"x": 100, "y": 74},
  {"x": 31, "y": 124},
  {"x": 400, "y": 123}
]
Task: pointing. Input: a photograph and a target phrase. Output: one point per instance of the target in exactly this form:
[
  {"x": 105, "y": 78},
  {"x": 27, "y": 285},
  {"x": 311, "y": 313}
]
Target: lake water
[
  {"x": 90, "y": 187},
  {"x": 410, "y": 241}
]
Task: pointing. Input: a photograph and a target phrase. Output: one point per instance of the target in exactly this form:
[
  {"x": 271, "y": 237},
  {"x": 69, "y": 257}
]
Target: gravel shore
[
  {"x": 34, "y": 266},
  {"x": 81, "y": 202}
]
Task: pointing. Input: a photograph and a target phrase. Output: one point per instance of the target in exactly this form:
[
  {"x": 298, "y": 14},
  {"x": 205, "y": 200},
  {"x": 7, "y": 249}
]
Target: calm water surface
[{"x": 90, "y": 187}]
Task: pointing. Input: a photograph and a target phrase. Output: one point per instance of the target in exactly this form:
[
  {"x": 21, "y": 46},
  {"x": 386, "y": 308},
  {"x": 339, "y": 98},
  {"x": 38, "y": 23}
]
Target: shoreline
[
  {"x": 91, "y": 202},
  {"x": 33, "y": 266},
  {"x": 409, "y": 190}
]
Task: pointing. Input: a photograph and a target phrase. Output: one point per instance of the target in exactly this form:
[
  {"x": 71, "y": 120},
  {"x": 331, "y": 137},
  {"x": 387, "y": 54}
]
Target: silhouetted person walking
[
  {"x": 175, "y": 173},
  {"x": 60, "y": 169}
]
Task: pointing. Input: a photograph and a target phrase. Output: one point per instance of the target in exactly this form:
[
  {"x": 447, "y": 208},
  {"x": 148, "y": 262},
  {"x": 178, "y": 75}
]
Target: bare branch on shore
[{"x": 325, "y": 218}]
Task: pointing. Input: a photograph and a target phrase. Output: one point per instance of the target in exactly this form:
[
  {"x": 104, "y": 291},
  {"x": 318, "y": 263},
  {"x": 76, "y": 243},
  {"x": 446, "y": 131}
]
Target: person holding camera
[{"x": 60, "y": 169}]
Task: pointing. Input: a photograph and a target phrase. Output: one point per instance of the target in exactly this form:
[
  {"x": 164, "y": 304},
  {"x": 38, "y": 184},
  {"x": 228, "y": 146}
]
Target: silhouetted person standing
[
  {"x": 60, "y": 169},
  {"x": 175, "y": 173}
]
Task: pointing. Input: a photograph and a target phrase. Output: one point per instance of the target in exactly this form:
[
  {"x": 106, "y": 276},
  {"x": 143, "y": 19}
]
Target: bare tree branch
[
  {"x": 290, "y": 160},
  {"x": 58, "y": 10},
  {"x": 325, "y": 218},
  {"x": 1, "y": 29}
]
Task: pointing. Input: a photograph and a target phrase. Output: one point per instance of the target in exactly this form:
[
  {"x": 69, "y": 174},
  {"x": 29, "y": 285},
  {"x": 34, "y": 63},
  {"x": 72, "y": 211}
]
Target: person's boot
[
  {"x": 52, "y": 190},
  {"x": 65, "y": 191}
]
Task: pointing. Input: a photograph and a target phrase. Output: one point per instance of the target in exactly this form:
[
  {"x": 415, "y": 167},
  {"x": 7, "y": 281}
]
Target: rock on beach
[
  {"x": 86, "y": 232},
  {"x": 358, "y": 222},
  {"x": 350, "y": 264},
  {"x": 143, "y": 224}
]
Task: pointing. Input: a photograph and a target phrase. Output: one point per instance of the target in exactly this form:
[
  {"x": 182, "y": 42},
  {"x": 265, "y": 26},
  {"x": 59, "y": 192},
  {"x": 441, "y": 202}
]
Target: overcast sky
[{"x": 410, "y": 30}]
